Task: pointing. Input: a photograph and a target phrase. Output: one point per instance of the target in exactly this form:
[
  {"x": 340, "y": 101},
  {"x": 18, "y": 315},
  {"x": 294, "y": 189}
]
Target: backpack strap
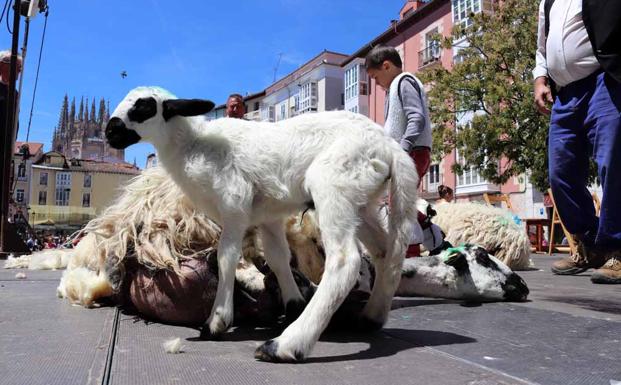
[{"x": 414, "y": 82}]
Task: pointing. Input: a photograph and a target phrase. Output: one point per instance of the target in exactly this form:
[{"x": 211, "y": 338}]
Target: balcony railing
[
  {"x": 429, "y": 55},
  {"x": 254, "y": 115}
]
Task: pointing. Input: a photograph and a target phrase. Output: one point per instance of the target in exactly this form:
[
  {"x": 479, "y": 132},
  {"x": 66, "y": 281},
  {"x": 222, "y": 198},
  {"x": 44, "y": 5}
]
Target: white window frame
[
  {"x": 470, "y": 176},
  {"x": 296, "y": 102},
  {"x": 282, "y": 115},
  {"x": 434, "y": 177},
  {"x": 308, "y": 97},
  {"x": 62, "y": 195},
  {"x": 351, "y": 82},
  {"x": 462, "y": 8},
  {"x": 63, "y": 179}
]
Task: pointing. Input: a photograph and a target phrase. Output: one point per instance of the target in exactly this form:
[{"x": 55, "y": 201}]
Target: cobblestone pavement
[{"x": 568, "y": 333}]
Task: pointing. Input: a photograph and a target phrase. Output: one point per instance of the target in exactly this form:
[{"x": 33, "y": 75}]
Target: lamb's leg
[
  {"x": 387, "y": 275},
  {"x": 371, "y": 233},
  {"x": 338, "y": 221},
  {"x": 277, "y": 256},
  {"x": 229, "y": 252}
]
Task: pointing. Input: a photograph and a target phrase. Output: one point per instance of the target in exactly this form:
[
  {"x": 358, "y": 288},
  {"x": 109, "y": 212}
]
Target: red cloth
[
  {"x": 422, "y": 160},
  {"x": 413, "y": 251}
]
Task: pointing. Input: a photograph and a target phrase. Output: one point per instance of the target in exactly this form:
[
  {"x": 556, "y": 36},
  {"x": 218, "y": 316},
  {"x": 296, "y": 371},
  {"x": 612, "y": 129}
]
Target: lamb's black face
[{"x": 119, "y": 136}]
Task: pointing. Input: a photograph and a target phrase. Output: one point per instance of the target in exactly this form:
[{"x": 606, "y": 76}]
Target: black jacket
[{"x": 602, "y": 19}]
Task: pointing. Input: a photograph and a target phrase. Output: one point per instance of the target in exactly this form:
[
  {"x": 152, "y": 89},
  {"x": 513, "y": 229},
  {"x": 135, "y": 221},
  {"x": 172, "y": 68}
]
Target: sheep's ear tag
[
  {"x": 456, "y": 257},
  {"x": 186, "y": 107}
]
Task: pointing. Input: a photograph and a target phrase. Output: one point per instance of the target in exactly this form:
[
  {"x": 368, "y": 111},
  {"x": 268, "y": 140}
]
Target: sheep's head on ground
[
  {"x": 144, "y": 112},
  {"x": 464, "y": 272},
  {"x": 487, "y": 272}
]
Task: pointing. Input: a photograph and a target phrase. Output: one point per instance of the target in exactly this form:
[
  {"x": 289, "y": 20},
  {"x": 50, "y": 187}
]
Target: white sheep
[{"x": 243, "y": 173}]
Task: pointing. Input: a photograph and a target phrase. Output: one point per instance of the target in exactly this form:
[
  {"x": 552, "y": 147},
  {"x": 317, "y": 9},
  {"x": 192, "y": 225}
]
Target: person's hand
[{"x": 543, "y": 95}]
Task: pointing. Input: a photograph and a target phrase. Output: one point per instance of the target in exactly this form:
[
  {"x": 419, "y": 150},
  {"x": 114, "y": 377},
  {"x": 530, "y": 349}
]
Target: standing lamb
[{"x": 242, "y": 174}]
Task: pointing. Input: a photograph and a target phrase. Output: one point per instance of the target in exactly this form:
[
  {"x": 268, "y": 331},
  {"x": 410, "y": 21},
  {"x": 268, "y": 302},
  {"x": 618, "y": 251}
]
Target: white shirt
[{"x": 567, "y": 55}]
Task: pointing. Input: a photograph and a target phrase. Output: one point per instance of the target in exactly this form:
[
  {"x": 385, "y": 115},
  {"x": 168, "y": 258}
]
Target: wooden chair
[
  {"x": 490, "y": 199},
  {"x": 556, "y": 220}
]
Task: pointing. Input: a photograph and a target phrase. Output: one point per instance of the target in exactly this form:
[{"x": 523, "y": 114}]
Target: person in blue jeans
[{"x": 578, "y": 69}]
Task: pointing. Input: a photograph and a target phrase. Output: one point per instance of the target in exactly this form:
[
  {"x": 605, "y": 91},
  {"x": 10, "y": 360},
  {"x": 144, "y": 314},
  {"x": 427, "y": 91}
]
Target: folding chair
[
  {"x": 490, "y": 199},
  {"x": 556, "y": 219}
]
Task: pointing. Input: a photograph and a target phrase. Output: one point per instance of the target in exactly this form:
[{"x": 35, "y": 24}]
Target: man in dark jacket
[{"x": 578, "y": 60}]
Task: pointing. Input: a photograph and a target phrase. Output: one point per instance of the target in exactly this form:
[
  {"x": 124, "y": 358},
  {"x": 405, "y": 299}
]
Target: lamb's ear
[
  {"x": 456, "y": 257},
  {"x": 186, "y": 107}
]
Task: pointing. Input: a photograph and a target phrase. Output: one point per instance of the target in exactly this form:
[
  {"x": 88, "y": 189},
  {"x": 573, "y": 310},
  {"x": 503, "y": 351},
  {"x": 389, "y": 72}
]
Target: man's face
[
  {"x": 5, "y": 70},
  {"x": 235, "y": 108},
  {"x": 383, "y": 74}
]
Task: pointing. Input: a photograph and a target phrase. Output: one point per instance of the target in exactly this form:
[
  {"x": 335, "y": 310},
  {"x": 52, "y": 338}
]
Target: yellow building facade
[{"x": 66, "y": 194}]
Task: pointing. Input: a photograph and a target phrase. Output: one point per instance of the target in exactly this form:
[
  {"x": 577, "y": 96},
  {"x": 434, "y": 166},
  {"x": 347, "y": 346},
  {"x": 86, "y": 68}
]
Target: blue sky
[{"x": 196, "y": 49}]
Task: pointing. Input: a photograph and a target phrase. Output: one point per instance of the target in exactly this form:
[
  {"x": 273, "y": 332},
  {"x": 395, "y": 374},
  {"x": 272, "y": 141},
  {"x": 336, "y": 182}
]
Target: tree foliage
[{"x": 492, "y": 81}]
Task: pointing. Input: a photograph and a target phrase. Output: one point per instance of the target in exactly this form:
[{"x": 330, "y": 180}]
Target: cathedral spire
[
  {"x": 92, "y": 119},
  {"x": 60, "y": 131},
  {"x": 84, "y": 123},
  {"x": 72, "y": 117},
  {"x": 62, "y": 120},
  {"x": 81, "y": 113},
  {"x": 102, "y": 112}
]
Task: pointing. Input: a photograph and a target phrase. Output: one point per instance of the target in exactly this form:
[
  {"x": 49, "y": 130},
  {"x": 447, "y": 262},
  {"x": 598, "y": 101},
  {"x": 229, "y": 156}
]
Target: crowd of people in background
[{"x": 47, "y": 242}]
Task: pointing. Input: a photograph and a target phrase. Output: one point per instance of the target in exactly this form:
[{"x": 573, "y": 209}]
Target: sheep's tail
[{"x": 403, "y": 212}]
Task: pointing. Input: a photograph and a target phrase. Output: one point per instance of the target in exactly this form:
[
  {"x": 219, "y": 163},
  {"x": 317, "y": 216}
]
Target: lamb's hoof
[
  {"x": 207, "y": 335},
  {"x": 293, "y": 309},
  {"x": 268, "y": 353},
  {"x": 365, "y": 324}
]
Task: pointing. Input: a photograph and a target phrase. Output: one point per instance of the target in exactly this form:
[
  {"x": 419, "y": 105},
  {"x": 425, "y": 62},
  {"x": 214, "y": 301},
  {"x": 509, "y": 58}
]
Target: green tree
[{"x": 493, "y": 81}]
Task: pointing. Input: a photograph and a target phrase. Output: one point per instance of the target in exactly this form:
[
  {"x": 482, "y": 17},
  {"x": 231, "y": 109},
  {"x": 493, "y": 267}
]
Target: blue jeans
[{"x": 586, "y": 122}]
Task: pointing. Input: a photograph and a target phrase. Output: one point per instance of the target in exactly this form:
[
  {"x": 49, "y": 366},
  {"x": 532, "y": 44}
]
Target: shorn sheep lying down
[
  {"x": 153, "y": 232},
  {"x": 465, "y": 272},
  {"x": 244, "y": 174}
]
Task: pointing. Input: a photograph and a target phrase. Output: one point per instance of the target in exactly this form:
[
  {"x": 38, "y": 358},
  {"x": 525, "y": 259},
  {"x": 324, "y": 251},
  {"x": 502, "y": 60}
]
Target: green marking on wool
[
  {"x": 503, "y": 221},
  {"x": 451, "y": 252}
]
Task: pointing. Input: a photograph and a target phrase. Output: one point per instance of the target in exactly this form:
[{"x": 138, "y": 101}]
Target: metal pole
[
  {"x": 9, "y": 132},
  {"x": 21, "y": 79}
]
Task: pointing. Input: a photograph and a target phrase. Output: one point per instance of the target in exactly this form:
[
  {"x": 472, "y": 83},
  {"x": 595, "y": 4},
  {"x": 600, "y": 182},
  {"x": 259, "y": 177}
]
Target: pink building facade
[{"x": 412, "y": 36}]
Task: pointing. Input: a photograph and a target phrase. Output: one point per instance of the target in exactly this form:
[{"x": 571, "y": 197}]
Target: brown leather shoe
[
  {"x": 610, "y": 273},
  {"x": 585, "y": 258},
  {"x": 570, "y": 265}
]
